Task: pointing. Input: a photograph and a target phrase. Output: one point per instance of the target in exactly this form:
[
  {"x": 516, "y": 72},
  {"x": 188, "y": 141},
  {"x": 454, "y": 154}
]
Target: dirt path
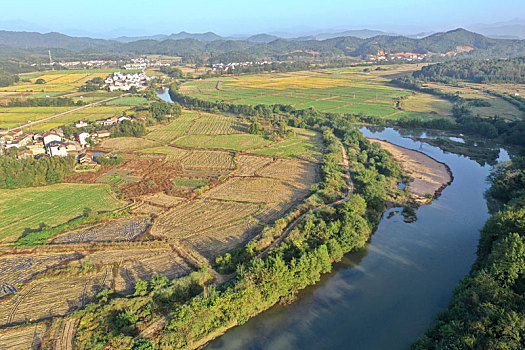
[{"x": 65, "y": 342}]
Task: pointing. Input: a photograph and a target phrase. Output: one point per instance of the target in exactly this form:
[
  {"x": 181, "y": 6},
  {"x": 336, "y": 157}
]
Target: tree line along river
[{"x": 387, "y": 295}]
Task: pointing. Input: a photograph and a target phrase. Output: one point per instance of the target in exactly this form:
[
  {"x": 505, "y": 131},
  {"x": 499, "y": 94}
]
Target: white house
[
  {"x": 81, "y": 124},
  {"x": 57, "y": 148},
  {"x": 50, "y": 137},
  {"x": 81, "y": 137}
]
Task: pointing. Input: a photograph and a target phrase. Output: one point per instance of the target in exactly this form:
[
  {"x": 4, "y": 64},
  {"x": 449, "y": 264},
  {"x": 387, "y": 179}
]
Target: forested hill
[
  {"x": 476, "y": 71},
  {"x": 455, "y": 40}
]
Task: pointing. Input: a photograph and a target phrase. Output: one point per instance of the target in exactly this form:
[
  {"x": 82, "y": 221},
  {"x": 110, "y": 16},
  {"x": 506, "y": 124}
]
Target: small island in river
[{"x": 428, "y": 177}]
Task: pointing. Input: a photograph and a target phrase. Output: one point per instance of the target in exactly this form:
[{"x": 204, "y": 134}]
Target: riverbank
[{"x": 428, "y": 177}]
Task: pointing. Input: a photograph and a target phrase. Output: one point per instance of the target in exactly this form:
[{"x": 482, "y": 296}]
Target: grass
[
  {"x": 498, "y": 106},
  {"x": 28, "y": 208},
  {"x": 128, "y": 101}
]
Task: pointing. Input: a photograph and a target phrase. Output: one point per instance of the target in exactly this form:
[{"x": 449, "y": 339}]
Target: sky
[{"x": 230, "y": 17}]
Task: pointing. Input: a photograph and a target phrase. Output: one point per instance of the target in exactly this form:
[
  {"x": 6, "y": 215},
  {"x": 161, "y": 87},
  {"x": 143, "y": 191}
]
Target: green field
[
  {"x": 127, "y": 101},
  {"x": 344, "y": 90},
  {"x": 169, "y": 132},
  {"x": 305, "y": 144},
  {"x": 27, "y": 208}
]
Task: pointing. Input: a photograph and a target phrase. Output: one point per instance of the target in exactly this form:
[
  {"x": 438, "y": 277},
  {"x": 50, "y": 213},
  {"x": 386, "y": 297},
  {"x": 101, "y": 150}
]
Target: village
[
  {"x": 230, "y": 66},
  {"x": 127, "y": 81},
  {"x": 27, "y": 144}
]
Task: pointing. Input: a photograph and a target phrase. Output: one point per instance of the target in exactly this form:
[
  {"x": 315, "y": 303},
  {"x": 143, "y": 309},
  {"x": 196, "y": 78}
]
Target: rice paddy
[{"x": 345, "y": 90}]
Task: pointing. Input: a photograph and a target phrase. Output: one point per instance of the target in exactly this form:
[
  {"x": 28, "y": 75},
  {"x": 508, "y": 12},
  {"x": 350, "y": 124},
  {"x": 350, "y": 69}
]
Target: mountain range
[{"x": 211, "y": 45}]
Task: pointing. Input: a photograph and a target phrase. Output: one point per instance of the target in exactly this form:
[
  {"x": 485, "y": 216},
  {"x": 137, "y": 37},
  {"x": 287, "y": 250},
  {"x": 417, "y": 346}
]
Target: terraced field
[{"x": 195, "y": 188}]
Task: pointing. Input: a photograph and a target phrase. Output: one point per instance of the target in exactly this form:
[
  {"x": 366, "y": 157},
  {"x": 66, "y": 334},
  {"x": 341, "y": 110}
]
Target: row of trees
[
  {"x": 488, "y": 307},
  {"x": 45, "y": 102},
  {"x": 16, "y": 173}
]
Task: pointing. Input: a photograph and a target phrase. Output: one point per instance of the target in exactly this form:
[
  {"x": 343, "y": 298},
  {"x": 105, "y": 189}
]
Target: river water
[{"x": 386, "y": 295}]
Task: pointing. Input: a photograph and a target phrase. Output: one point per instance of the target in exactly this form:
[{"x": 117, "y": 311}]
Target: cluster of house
[
  {"x": 90, "y": 63},
  {"x": 410, "y": 56},
  {"x": 121, "y": 81},
  {"x": 40, "y": 144},
  {"x": 227, "y": 66},
  {"x": 55, "y": 144},
  {"x": 403, "y": 56},
  {"x": 143, "y": 63}
]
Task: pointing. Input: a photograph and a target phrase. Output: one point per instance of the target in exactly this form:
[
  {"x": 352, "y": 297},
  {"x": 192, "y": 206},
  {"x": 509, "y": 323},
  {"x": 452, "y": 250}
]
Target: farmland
[
  {"x": 61, "y": 84},
  {"x": 344, "y": 90},
  {"x": 27, "y": 208},
  {"x": 196, "y": 188},
  {"x": 116, "y": 230}
]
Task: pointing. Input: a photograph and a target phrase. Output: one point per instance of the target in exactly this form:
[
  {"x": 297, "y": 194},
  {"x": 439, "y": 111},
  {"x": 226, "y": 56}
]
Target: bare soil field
[
  {"x": 23, "y": 337},
  {"x": 199, "y": 215},
  {"x": 124, "y": 229},
  {"x": 156, "y": 178},
  {"x": 255, "y": 190},
  {"x": 428, "y": 176},
  {"x": 45, "y": 298},
  {"x": 249, "y": 165},
  {"x": 218, "y": 241},
  {"x": 168, "y": 264}
]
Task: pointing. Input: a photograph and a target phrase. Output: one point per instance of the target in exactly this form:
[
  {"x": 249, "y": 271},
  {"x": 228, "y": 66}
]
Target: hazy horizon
[{"x": 130, "y": 18}]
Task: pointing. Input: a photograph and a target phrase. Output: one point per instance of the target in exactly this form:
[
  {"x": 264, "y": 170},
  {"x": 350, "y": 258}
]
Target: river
[{"x": 386, "y": 295}]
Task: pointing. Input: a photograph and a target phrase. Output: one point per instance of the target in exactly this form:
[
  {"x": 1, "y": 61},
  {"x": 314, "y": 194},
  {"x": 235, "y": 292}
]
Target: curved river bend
[{"x": 386, "y": 295}]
